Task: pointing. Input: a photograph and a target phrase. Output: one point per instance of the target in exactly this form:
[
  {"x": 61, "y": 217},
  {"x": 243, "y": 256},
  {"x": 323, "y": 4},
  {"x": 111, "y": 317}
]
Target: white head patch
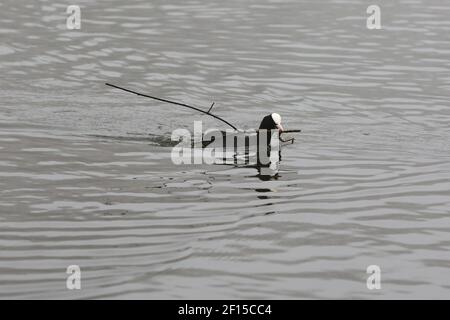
[{"x": 276, "y": 118}]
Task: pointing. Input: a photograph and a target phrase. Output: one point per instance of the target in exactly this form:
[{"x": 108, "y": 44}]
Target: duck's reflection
[{"x": 263, "y": 190}]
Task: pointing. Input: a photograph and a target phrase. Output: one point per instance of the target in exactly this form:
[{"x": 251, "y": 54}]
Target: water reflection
[{"x": 360, "y": 199}]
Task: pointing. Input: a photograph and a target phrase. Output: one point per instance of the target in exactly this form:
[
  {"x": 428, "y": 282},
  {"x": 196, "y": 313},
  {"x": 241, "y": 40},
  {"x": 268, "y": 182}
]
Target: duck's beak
[{"x": 280, "y": 127}]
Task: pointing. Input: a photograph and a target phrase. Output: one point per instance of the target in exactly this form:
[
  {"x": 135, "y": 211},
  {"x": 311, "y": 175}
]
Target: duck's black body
[{"x": 267, "y": 123}]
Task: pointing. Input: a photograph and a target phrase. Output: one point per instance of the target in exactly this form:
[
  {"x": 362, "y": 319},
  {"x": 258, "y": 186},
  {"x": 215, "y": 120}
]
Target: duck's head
[
  {"x": 277, "y": 120},
  {"x": 271, "y": 121}
]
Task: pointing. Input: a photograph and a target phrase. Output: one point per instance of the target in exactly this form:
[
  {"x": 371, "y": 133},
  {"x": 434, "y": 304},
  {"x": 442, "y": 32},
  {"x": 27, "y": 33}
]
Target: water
[{"x": 86, "y": 175}]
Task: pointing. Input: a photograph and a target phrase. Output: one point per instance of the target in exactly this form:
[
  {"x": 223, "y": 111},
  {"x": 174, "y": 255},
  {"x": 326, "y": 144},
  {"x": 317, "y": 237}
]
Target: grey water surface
[{"x": 86, "y": 176}]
